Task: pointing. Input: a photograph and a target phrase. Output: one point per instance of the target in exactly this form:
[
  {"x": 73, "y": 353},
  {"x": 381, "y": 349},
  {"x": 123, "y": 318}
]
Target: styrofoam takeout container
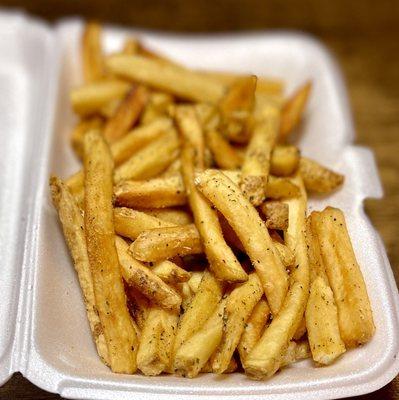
[{"x": 44, "y": 332}]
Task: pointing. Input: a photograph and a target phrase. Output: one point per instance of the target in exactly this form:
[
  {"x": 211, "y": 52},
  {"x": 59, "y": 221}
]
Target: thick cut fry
[
  {"x": 276, "y": 214},
  {"x": 284, "y": 160},
  {"x": 296, "y": 351},
  {"x": 130, "y": 223},
  {"x": 81, "y": 128},
  {"x": 169, "y": 78},
  {"x": 256, "y": 166},
  {"x": 239, "y": 306},
  {"x": 144, "y": 280},
  {"x": 153, "y": 193},
  {"x": 232, "y": 367},
  {"x": 253, "y": 329},
  {"x": 138, "y": 304},
  {"x": 157, "y": 106},
  {"x": 92, "y": 57},
  {"x": 293, "y": 109},
  {"x": 170, "y": 273},
  {"x": 193, "y": 354},
  {"x": 199, "y": 310},
  {"x": 90, "y": 98},
  {"x": 165, "y": 243},
  {"x": 172, "y": 215},
  {"x": 354, "y": 311},
  {"x": 151, "y": 159},
  {"x": 253, "y": 234},
  {"x": 127, "y": 114},
  {"x": 100, "y": 239},
  {"x": 317, "y": 178},
  {"x": 301, "y": 330},
  {"x": 72, "y": 222},
  {"x": 266, "y": 357}
]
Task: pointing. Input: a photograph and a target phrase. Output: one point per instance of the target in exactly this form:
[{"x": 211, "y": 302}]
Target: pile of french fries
[{"x": 188, "y": 223}]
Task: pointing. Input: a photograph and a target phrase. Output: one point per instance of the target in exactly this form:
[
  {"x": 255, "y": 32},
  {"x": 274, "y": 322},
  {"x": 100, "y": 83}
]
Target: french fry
[
  {"x": 186, "y": 295},
  {"x": 92, "y": 57},
  {"x": 296, "y": 351},
  {"x": 284, "y": 160},
  {"x": 172, "y": 215},
  {"x": 79, "y": 131},
  {"x": 239, "y": 306},
  {"x": 293, "y": 109},
  {"x": 138, "y": 304},
  {"x": 109, "y": 293},
  {"x": 195, "y": 280},
  {"x": 345, "y": 277},
  {"x": 130, "y": 223},
  {"x": 127, "y": 114},
  {"x": 276, "y": 214},
  {"x": 317, "y": 178},
  {"x": 181, "y": 82},
  {"x": 144, "y": 280},
  {"x": 108, "y": 110},
  {"x": 156, "y": 107},
  {"x": 153, "y": 193},
  {"x": 266, "y": 357},
  {"x": 228, "y": 233},
  {"x": 256, "y": 166},
  {"x": 287, "y": 256},
  {"x": 253, "y": 329},
  {"x": 71, "y": 219},
  {"x": 131, "y": 46},
  {"x": 170, "y": 273},
  {"x": 232, "y": 367},
  {"x": 208, "y": 115},
  {"x": 91, "y": 97},
  {"x": 165, "y": 243},
  {"x": 301, "y": 330}
]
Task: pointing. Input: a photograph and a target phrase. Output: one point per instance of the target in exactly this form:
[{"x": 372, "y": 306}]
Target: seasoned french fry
[
  {"x": 92, "y": 57},
  {"x": 266, "y": 357},
  {"x": 254, "y": 236},
  {"x": 130, "y": 223},
  {"x": 286, "y": 255},
  {"x": 186, "y": 295},
  {"x": 296, "y": 351},
  {"x": 138, "y": 304},
  {"x": 144, "y": 280},
  {"x": 284, "y": 160},
  {"x": 165, "y": 243},
  {"x": 170, "y": 273},
  {"x": 195, "y": 280},
  {"x": 172, "y": 215},
  {"x": 228, "y": 233},
  {"x": 354, "y": 311},
  {"x": 91, "y": 97},
  {"x": 253, "y": 329},
  {"x": 276, "y": 214},
  {"x": 239, "y": 306},
  {"x": 208, "y": 115},
  {"x": 79, "y": 131},
  {"x": 317, "y": 178},
  {"x": 166, "y": 77},
  {"x": 232, "y": 367},
  {"x": 127, "y": 113},
  {"x": 109, "y": 293},
  {"x": 156, "y": 107},
  {"x": 72, "y": 222},
  {"x": 256, "y": 166},
  {"x": 154, "y": 193},
  {"x": 293, "y": 109}
]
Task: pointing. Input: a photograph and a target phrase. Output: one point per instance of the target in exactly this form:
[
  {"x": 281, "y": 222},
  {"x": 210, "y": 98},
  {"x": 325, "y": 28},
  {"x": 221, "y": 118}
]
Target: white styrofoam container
[{"x": 44, "y": 333}]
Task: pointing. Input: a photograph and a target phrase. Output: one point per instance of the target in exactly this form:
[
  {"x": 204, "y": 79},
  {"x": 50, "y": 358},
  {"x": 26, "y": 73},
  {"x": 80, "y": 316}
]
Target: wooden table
[{"x": 364, "y": 36}]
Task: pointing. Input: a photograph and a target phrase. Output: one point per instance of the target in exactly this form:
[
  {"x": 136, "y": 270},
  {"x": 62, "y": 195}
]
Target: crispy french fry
[
  {"x": 186, "y": 295},
  {"x": 165, "y": 243},
  {"x": 130, "y": 223},
  {"x": 157, "y": 106},
  {"x": 166, "y": 77},
  {"x": 317, "y": 178},
  {"x": 92, "y": 57},
  {"x": 172, "y": 215},
  {"x": 72, "y": 222},
  {"x": 301, "y": 330},
  {"x": 254, "y": 236},
  {"x": 266, "y": 357},
  {"x": 232, "y": 367},
  {"x": 239, "y": 306},
  {"x": 286, "y": 255},
  {"x": 195, "y": 280},
  {"x": 109, "y": 109},
  {"x": 253, "y": 329},
  {"x": 144, "y": 280},
  {"x": 228, "y": 233},
  {"x": 170, "y": 273},
  {"x": 293, "y": 109},
  {"x": 91, "y": 97},
  {"x": 284, "y": 160},
  {"x": 208, "y": 115},
  {"x": 100, "y": 239},
  {"x": 138, "y": 304},
  {"x": 296, "y": 351},
  {"x": 256, "y": 166},
  {"x": 345, "y": 277},
  {"x": 276, "y": 214},
  {"x": 79, "y": 131},
  {"x": 157, "y": 192},
  {"x": 127, "y": 114}
]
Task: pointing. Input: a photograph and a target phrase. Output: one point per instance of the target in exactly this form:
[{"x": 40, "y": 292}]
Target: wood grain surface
[{"x": 363, "y": 35}]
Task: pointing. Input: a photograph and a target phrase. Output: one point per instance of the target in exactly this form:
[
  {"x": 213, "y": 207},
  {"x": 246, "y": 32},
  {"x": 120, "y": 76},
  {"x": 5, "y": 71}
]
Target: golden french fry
[
  {"x": 166, "y": 77},
  {"x": 165, "y": 243},
  {"x": 228, "y": 233},
  {"x": 239, "y": 306},
  {"x": 100, "y": 239},
  {"x": 127, "y": 114},
  {"x": 301, "y": 330},
  {"x": 186, "y": 294},
  {"x": 266, "y": 357},
  {"x": 153, "y": 193},
  {"x": 293, "y": 109},
  {"x": 276, "y": 214},
  {"x": 256, "y": 166},
  {"x": 92, "y": 57},
  {"x": 157, "y": 106},
  {"x": 79, "y": 131},
  {"x": 195, "y": 280},
  {"x": 170, "y": 273},
  {"x": 284, "y": 160},
  {"x": 138, "y": 304},
  {"x": 287, "y": 256},
  {"x": 208, "y": 115},
  {"x": 296, "y": 351},
  {"x": 108, "y": 110},
  {"x": 232, "y": 367},
  {"x": 254, "y": 236},
  {"x": 72, "y": 222},
  {"x": 91, "y": 97},
  {"x": 317, "y": 178},
  {"x": 172, "y": 215},
  {"x": 355, "y": 317},
  {"x": 144, "y": 280}
]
